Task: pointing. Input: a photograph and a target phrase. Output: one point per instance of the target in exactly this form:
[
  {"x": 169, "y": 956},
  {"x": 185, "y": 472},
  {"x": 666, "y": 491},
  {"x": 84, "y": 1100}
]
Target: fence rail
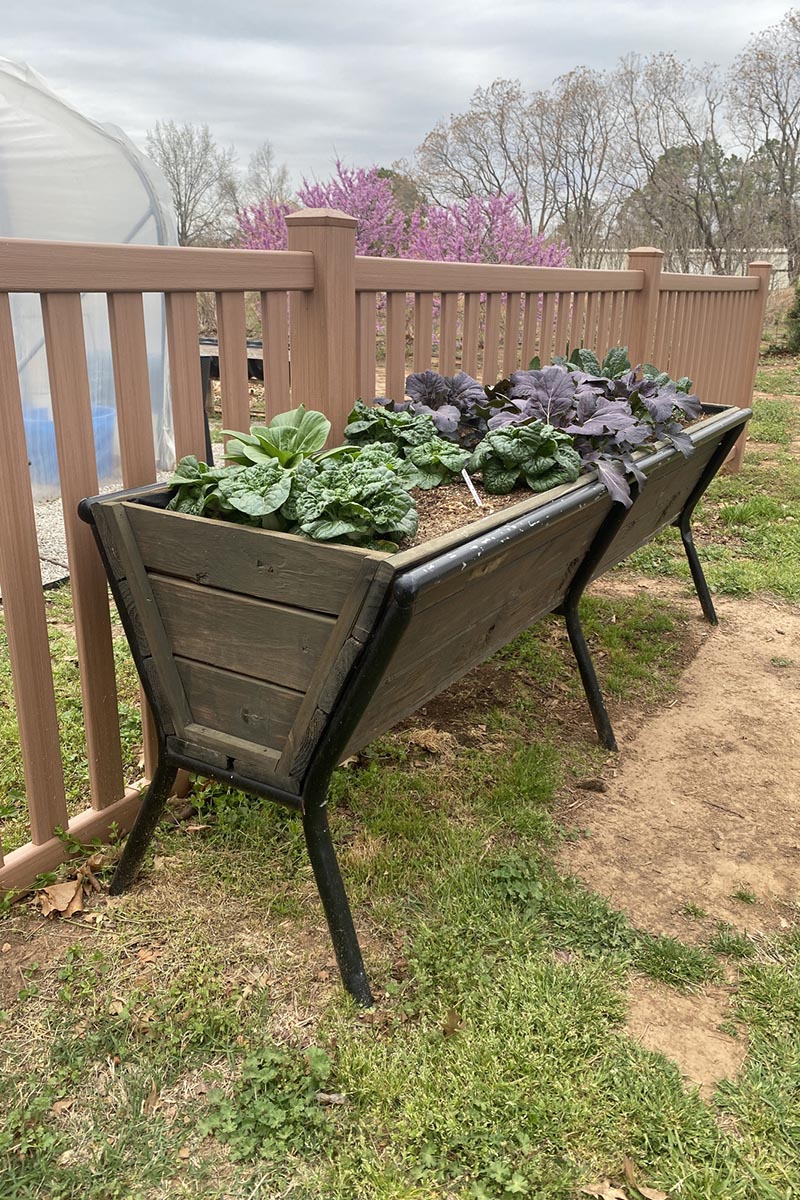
[{"x": 327, "y": 316}]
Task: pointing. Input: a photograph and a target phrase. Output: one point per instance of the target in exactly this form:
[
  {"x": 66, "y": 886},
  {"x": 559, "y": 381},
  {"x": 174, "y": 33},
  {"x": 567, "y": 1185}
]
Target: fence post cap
[
  {"x": 650, "y": 251},
  {"x": 321, "y": 216}
]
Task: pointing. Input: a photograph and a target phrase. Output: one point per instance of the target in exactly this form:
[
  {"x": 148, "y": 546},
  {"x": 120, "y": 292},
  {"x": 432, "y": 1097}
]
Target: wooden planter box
[{"x": 267, "y": 658}]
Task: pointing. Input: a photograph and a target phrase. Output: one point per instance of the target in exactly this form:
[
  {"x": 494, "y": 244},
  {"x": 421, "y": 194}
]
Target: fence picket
[
  {"x": 72, "y": 417},
  {"x": 423, "y": 331},
  {"x": 232, "y": 336},
  {"x": 183, "y": 342},
  {"x": 24, "y": 610},
  {"x": 472, "y": 325},
  {"x": 275, "y": 342},
  {"x": 365, "y": 344},
  {"x": 511, "y": 333},
  {"x": 491, "y": 340},
  {"x": 448, "y": 323},
  {"x": 395, "y": 345},
  {"x": 135, "y": 424}
]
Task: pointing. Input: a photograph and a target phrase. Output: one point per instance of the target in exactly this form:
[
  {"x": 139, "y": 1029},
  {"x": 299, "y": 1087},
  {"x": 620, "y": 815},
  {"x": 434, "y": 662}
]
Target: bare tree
[
  {"x": 558, "y": 152},
  {"x": 764, "y": 89},
  {"x": 698, "y": 198},
  {"x": 584, "y": 140},
  {"x": 266, "y": 178},
  {"x": 201, "y": 178},
  {"x": 492, "y": 149}
]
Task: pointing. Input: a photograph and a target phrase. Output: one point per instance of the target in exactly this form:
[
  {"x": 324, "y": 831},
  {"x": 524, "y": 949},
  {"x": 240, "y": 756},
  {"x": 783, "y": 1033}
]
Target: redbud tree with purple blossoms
[{"x": 484, "y": 229}]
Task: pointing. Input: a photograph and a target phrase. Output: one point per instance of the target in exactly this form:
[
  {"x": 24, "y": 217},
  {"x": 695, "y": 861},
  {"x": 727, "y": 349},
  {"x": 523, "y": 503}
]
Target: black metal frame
[{"x": 311, "y": 798}]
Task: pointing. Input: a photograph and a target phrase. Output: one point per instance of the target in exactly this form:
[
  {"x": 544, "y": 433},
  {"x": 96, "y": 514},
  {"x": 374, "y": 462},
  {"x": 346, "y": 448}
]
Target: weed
[
  {"x": 729, "y": 943},
  {"x": 273, "y": 1107}
]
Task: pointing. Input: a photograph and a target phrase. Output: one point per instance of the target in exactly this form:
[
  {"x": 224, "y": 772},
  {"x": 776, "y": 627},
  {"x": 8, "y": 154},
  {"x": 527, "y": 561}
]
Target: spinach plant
[
  {"x": 431, "y": 459},
  {"x": 531, "y": 452},
  {"x": 361, "y": 500}
]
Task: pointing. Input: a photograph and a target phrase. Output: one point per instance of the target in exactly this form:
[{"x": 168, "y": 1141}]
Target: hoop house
[{"x": 64, "y": 177}]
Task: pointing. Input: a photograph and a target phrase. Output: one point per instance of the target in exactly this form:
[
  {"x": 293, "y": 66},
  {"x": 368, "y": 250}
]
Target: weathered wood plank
[
  {"x": 252, "y": 637},
  {"x": 123, "y": 552},
  {"x": 352, "y": 628},
  {"x": 255, "y": 562},
  {"x": 244, "y": 707},
  {"x": 440, "y": 645},
  {"x": 660, "y": 503}
]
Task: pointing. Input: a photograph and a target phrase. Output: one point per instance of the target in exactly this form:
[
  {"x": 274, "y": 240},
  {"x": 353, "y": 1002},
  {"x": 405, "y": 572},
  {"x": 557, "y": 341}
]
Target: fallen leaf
[
  {"x": 630, "y": 1176},
  {"x": 452, "y": 1022},
  {"x": 6, "y": 947},
  {"x": 195, "y": 828},
  {"x": 150, "y": 1101},
  {"x": 331, "y": 1098},
  {"x": 184, "y": 1153},
  {"x": 148, "y": 956},
  {"x": 605, "y": 1191},
  {"x": 116, "y": 1006},
  {"x": 65, "y": 899},
  {"x": 62, "y": 1106}
]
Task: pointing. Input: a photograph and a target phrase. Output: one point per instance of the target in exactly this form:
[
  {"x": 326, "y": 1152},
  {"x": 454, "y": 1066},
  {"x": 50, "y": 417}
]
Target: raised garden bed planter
[{"x": 268, "y": 658}]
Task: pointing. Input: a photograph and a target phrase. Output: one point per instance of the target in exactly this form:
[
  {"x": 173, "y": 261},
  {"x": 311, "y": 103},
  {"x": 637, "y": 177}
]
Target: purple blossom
[{"x": 485, "y": 230}]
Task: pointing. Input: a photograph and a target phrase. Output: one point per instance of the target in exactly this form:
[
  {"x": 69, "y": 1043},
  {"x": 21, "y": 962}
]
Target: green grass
[{"x": 191, "y": 1042}]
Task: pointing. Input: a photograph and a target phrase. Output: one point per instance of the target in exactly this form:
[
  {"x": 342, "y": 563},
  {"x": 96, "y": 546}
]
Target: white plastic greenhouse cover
[{"x": 64, "y": 177}]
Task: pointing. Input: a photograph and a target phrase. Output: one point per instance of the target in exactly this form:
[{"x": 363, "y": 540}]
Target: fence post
[
  {"x": 323, "y": 321},
  {"x": 762, "y": 271},
  {"x": 640, "y": 324}
]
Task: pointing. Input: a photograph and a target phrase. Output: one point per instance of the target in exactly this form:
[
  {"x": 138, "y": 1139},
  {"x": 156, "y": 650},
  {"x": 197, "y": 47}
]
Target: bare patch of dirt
[
  {"x": 704, "y": 798},
  {"x": 26, "y": 941},
  {"x": 685, "y": 1028}
]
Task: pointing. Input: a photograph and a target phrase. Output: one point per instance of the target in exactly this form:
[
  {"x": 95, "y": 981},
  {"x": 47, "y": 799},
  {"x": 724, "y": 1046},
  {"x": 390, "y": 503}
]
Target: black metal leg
[
  {"x": 334, "y": 901},
  {"x": 591, "y": 687},
  {"x": 143, "y": 827},
  {"x": 684, "y": 522},
  {"x": 695, "y": 566}
]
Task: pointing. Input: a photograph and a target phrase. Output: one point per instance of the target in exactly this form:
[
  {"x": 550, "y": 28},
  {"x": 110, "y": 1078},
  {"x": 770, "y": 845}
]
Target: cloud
[{"x": 363, "y": 81}]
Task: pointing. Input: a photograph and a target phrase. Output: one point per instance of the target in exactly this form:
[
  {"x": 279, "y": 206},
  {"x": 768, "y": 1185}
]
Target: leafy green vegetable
[
  {"x": 436, "y": 461},
  {"x": 257, "y": 491},
  {"x": 369, "y": 423},
  {"x": 662, "y": 379},
  {"x": 532, "y": 452},
  {"x": 290, "y": 437},
  {"x": 361, "y": 500},
  {"x": 196, "y": 485}
]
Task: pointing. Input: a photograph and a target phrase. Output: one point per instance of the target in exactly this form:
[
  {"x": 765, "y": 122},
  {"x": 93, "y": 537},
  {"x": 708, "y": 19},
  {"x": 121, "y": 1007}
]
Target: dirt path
[
  {"x": 704, "y": 802},
  {"x": 705, "y": 798}
]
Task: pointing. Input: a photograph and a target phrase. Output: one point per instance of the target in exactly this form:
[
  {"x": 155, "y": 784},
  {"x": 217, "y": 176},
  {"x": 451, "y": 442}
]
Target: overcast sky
[{"x": 364, "y": 81}]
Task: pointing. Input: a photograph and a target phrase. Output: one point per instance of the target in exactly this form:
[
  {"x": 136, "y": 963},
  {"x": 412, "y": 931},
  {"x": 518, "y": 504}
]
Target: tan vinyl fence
[{"x": 344, "y": 313}]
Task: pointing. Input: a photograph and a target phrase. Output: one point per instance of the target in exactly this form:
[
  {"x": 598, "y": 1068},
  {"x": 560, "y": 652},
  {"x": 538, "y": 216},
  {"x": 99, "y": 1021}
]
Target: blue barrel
[{"x": 40, "y": 436}]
